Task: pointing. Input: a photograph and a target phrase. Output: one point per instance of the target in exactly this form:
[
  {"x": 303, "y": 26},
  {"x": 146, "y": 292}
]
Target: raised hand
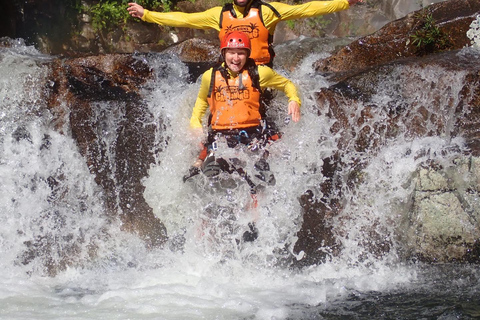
[{"x": 135, "y": 10}]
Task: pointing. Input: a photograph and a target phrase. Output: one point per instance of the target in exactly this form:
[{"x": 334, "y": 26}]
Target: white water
[
  {"x": 196, "y": 276},
  {"x": 474, "y": 33}
]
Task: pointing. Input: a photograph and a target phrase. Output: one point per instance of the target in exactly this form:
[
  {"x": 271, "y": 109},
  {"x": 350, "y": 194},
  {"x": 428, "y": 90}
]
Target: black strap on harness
[
  {"x": 254, "y": 4},
  {"x": 258, "y": 4}
]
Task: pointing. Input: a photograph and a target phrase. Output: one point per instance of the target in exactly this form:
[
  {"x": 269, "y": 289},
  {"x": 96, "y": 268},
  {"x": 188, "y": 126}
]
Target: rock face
[
  {"x": 81, "y": 95},
  {"x": 61, "y": 27},
  {"x": 445, "y": 212},
  {"x": 394, "y": 41},
  {"x": 431, "y": 96},
  {"x": 442, "y": 219},
  {"x": 197, "y": 54}
]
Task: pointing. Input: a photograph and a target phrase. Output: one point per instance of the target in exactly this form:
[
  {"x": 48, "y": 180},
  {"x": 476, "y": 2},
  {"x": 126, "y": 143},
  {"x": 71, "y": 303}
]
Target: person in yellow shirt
[
  {"x": 231, "y": 91},
  {"x": 256, "y": 18}
]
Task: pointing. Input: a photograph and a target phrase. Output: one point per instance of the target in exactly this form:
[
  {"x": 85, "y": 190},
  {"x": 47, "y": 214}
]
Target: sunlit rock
[
  {"x": 197, "y": 54},
  {"x": 394, "y": 41},
  {"x": 433, "y": 96},
  {"x": 445, "y": 218},
  {"x": 195, "y": 50}
]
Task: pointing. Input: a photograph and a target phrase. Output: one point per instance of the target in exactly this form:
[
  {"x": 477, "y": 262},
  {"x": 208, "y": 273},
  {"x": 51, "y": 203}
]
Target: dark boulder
[{"x": 85, "y": 93}]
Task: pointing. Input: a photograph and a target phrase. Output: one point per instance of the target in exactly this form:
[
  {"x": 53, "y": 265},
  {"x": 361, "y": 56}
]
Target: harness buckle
[
  {"x": 254, "y": 144},
  {"x": 263, "y": 124}
]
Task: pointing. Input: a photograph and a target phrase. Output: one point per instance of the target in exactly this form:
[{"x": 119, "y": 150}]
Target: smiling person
[
  {"x": 231, "y": 91},
  {"x": 256, "y": 18}
]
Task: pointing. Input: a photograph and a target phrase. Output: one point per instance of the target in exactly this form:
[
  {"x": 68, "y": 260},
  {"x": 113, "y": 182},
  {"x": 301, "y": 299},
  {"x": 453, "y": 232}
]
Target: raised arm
[
  {"x": 303, "y": 10},
  {"x": 198, "y": 20}
]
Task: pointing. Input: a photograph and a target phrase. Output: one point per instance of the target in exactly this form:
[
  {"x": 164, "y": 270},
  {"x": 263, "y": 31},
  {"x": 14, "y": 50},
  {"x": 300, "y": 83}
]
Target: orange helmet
[{"x": 236, "y": 39}]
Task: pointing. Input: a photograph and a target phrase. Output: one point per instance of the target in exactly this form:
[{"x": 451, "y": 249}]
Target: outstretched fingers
[{"x": 135, "y": 10}]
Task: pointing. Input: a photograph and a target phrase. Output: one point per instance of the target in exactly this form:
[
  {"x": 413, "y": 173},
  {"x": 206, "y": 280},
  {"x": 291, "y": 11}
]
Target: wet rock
[
  {"x": 105, "y": 77},
  {"x": 467, "y": 124},
  {"x": 353, "y": 102},
  {"x": 92, "y": 95},
  {"x": 384, "y": 103},
  {"x": 445, "y": 218},
  {"x": 195, "y": 50},
  {"x": 316, "y": 241},
  {"x": 198, "y": 54},
  {"x": 394, "y": 41}
]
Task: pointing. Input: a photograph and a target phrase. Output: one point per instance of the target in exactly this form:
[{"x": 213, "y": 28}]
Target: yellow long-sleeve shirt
[
  {"x": 209, "y": 19},
  {"x": 268, "y": 79}
]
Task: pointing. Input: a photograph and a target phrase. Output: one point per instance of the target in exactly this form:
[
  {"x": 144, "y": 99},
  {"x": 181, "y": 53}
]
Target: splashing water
[
  {"x": 474, "y": 33},
  {"x": 205, "y": 272}
]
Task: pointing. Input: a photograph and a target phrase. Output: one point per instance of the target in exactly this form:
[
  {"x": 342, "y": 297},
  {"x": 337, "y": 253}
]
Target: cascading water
[{"x": 47, "y": 194}]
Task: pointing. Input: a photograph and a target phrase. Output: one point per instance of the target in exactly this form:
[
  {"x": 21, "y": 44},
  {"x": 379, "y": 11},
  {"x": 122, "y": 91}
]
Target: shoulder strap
[
  {"x": 223, "y": 72},
  {"x": 259, "y": 3},
  {"x": 255, "y": 4},
  {"x": 252, "y": 69},
  {"x": 226, "y": 7}
]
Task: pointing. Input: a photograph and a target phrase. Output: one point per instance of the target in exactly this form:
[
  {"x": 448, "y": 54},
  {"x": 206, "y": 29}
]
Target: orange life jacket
[
  {"x": 234, "y": 102},
  {"x": 252, "y": 24}
]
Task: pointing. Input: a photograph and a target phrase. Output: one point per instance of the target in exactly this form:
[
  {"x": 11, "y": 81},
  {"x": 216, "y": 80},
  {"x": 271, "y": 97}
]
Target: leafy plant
[
  {"x": 105, "y": 15},
  {"x": 318, "y": 22},
  {"x": 429, "y": 38},
  {"x": 110, "y": 14},
  {"x": 290, "y": 24}
]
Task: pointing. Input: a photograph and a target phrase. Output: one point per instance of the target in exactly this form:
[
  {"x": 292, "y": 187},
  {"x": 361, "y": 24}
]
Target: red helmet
[{"x": 236, "y": 39}]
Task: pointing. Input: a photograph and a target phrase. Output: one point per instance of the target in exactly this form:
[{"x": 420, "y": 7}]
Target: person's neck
[
  {"x": 242, "y": 9},
  {"x": 233, "y": 74}
]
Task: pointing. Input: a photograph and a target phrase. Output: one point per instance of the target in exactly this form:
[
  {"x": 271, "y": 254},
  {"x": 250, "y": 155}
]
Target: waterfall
[{"x": 51, "y": 208}]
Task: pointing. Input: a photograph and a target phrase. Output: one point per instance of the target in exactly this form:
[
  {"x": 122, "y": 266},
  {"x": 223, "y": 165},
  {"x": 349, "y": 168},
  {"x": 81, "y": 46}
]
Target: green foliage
[
  {"x": 429, "y": 38},
  {"x": 74, "y": 4},
  {"x": 105, "y": 15},
  {"x": 110, "y": 14},
  {"x": 318, "y": 22},
  {"x": 290, "y": 24}
]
